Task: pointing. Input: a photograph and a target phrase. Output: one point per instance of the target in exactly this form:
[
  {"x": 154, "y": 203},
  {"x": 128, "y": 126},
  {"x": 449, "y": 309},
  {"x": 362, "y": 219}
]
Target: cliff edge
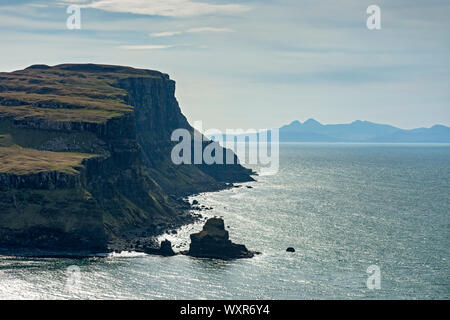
[{"x": 85, "y": 159}]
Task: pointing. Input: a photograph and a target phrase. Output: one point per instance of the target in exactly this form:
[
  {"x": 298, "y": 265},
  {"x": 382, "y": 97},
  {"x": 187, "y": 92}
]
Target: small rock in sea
[
  {"x": 290, "y": 249},
  {"x": 165, "y": 249},
  {"x": 194, "y": 202}
]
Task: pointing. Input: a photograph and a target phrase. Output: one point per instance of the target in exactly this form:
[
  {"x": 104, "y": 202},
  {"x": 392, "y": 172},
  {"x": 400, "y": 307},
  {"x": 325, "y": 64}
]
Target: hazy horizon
[{"x": 362, "y": 120}]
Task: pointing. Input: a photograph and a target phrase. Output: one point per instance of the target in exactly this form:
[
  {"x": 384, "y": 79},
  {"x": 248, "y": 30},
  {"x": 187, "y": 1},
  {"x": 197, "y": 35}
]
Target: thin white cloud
[
  {"x": 168, "y": 8},
  {"x": 38, "y": 5},
  {"x": 192, "y": 30},
  {"x": 208, "y": 29},
  {"x": 166, "y": 33},
  {"x": 146, "y": 47}
]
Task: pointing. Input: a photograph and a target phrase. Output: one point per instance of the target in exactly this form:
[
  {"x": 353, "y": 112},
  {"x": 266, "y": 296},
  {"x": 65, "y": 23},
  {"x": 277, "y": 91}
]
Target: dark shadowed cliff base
[{"x": 85, "y": 160}]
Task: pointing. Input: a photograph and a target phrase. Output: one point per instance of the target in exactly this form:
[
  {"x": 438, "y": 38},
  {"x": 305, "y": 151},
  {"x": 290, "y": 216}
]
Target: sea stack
[{"x": 213, "y": 242}]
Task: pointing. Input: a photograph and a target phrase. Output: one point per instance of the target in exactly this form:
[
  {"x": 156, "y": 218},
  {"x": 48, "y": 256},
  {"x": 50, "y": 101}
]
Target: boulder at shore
[
  {"x": 164, "y": 250},
  {"x": 213, "y": 242}
]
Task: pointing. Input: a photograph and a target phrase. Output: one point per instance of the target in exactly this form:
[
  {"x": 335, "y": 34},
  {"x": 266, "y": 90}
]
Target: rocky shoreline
[
  {"x": 145, "y": 241},
  {"x": 212, "y": 243}
]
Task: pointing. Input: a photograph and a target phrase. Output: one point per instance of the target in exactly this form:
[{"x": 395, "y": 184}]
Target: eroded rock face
[
  {"x": 42, "y": 180},
  {"x": 213, "y": 242}
]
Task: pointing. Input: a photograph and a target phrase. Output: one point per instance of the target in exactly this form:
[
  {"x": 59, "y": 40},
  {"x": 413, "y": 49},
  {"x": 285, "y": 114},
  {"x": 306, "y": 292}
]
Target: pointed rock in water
[
  {"x": 213, "y": 242},
  {"x": 166, "y": 249}
]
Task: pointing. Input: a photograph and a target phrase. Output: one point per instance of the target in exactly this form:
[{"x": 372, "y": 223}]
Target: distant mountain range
[{"x": 361, "y": 131}]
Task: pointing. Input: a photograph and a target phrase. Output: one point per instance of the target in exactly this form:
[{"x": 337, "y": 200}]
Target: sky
[{"x": 256, "y": 63}]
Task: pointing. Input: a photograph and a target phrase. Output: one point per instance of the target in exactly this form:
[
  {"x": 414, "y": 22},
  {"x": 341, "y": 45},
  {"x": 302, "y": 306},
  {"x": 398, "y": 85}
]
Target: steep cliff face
[
  {"x": 157, "y": 115},
  {"x": 86, "y": 162}
]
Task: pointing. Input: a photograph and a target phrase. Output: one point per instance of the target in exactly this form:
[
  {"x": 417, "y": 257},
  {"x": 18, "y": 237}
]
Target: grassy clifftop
[
  {"x": 21, "y": 161},
  {"x": 80, "y": 93}
]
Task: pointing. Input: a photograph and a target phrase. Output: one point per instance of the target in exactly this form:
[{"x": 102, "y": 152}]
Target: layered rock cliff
[{"x": 86, "y": 164}]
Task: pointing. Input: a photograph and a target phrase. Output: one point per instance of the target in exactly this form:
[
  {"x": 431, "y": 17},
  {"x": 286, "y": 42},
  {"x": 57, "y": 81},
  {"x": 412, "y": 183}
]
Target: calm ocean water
[{"x": 343, "y": 207}]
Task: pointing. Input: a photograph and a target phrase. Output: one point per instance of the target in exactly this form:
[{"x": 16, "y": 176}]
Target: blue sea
[{"x": 343, "y": 207}]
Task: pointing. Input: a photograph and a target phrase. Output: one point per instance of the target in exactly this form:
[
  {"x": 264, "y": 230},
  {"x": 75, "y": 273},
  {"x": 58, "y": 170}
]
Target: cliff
[{"x": 86, "y": 165}]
